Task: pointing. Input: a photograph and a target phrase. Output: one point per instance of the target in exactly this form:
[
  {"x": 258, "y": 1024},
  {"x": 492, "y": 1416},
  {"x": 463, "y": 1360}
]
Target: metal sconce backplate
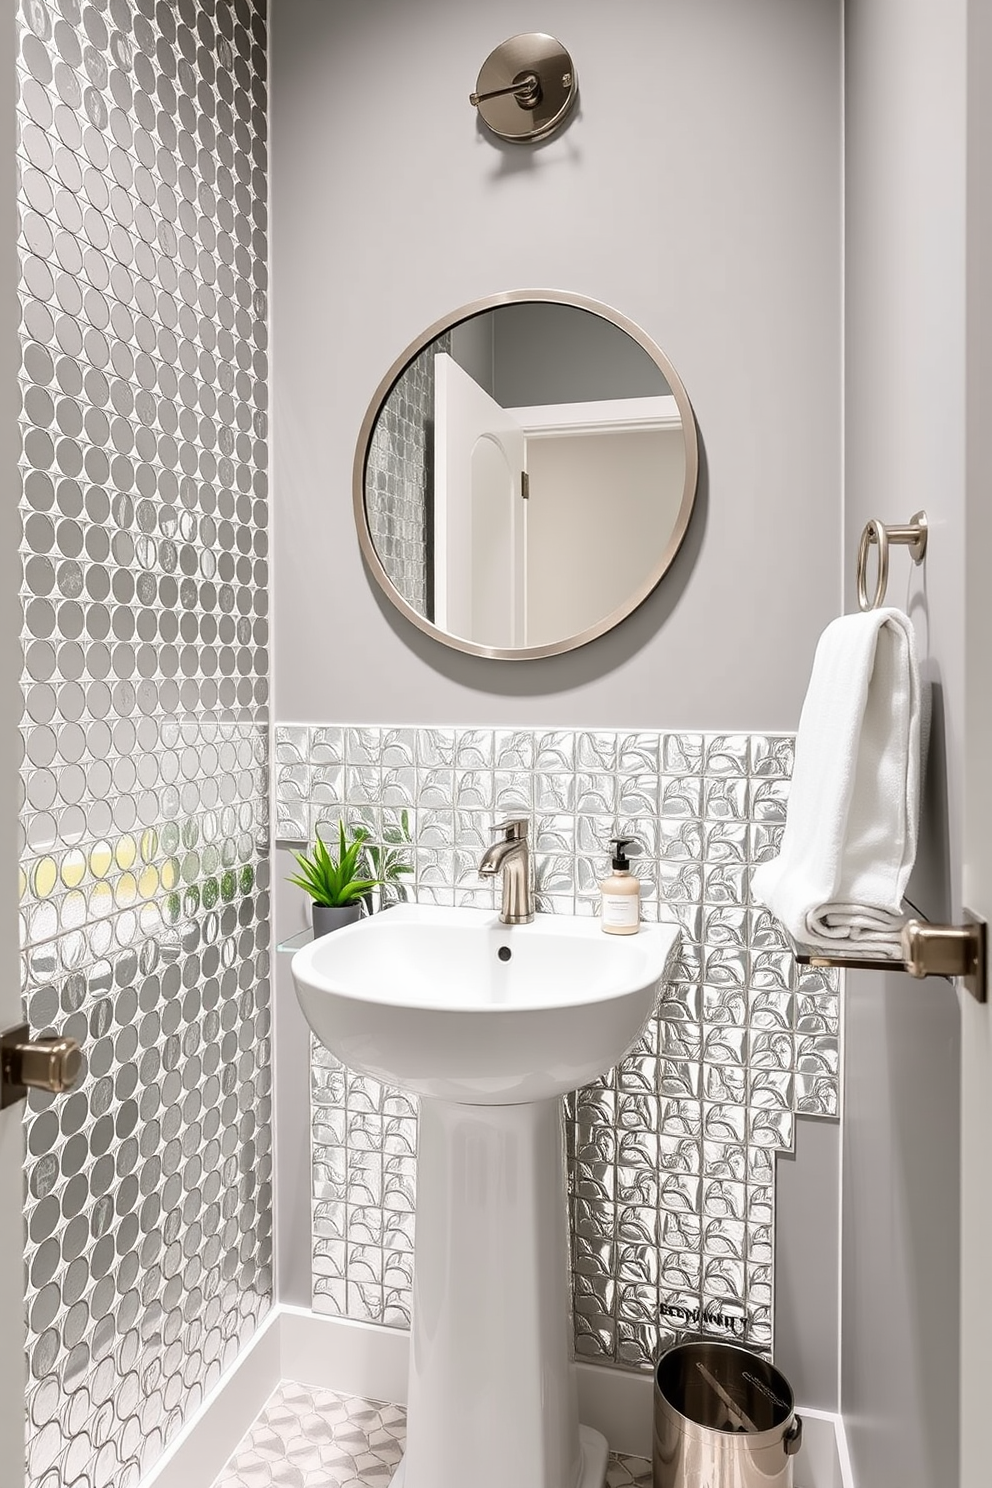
[{"x": 526, "y": 88}]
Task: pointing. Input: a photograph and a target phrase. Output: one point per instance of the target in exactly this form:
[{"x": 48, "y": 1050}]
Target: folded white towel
[{"x": 853, "y": 817}]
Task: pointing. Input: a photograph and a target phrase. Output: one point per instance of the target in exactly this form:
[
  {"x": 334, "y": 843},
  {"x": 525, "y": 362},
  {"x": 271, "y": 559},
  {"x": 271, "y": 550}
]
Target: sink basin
[
  {"x": 449, "y": 1003},
  {"x": 489, "y": 1025}
]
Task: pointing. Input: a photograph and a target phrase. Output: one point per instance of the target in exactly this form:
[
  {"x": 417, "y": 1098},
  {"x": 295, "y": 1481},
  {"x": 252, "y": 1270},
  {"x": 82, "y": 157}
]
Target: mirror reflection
[{"x": 528, "y": 477}]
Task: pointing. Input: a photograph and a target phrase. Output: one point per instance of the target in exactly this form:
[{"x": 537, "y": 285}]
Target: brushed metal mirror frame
[{"x": 638, "y": 595}]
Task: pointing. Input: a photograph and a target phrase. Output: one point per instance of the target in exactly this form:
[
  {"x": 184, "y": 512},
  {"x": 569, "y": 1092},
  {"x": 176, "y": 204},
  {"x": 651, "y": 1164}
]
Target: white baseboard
[
  {"x": 364, "y": 1359},
  {"x": 200, "y": 1451},
  {"x": 333, "y": 1353}
]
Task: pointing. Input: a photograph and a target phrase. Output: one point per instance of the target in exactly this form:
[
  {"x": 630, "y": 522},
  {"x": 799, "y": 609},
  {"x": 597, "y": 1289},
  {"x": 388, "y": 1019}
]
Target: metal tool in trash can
[{"x": 723, "y": 1418}]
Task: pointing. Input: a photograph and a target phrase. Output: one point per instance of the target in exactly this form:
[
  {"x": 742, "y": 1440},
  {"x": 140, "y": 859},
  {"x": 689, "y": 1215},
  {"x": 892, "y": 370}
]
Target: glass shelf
[
  {"x": 816, "y": 956},
  {"x": 295, "y": 942}
]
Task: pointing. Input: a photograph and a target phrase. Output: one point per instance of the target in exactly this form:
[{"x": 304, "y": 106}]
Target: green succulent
[{"x": 335, "y": 882}]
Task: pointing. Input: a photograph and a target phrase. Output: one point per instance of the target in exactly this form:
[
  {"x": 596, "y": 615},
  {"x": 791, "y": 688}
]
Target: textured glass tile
[
  {"x": 726, "y": 754},
  {"x": 767, "y": 800},
  {"x": 680, "y": 795},
  {"x": 363, "y": 746},
  {"x": 398, "y": 748},
  {"x": 725, "y": 841},
  {"x": 326, "y": 784},
  {"x": 554, "y": 753},
  {"x": 554, "y": 791},
  {"x": 672, "y": 1154},
  {"x": 725, "y": 883},
  {"x": 363, "y": 786},
  {"x": 680, "y": 840},
  {"x": 595, "y": 793},
  {"x": 434, "y": 748},
  {"x": 772, "y": 755},
  {"x": 724, "y": 798},
  {"x": 681, "y": 754},
  {"x": 513, "y": 792},
  {"x": 596, "y": 752},
  {"x": 475, "y": 791},
  {"x": 474, "y": 750},
  {"x": 292, "y": 744},
  {"x": 435, "y": 788},
  {"x": 327, "y": 746},
  {"x": 292, "y": 823},
  {"x": 763, "y": 841},
  {"x": 330, "y": 1296},
  {"x": 513, "y": 750}
]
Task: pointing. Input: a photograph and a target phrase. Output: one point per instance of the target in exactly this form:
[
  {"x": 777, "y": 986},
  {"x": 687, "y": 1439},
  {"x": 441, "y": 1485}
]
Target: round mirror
[{"x": 525, "y": 474}]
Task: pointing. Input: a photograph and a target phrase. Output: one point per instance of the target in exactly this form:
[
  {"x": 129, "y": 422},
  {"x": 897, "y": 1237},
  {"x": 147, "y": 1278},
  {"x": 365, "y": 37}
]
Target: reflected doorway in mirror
[{"x": 525, "y": 474}]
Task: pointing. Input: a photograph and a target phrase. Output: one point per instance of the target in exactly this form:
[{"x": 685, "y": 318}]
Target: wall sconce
[{"x": 526, "y": 88}]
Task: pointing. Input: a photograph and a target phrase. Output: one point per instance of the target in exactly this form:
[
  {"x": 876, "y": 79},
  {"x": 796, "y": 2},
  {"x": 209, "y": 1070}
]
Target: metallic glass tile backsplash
[
  {"x": 671, "y": 1155},
  {"x": 142, "y": 157}
]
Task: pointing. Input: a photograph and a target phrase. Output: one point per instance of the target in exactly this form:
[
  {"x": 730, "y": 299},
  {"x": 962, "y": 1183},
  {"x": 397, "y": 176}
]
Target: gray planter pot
[{"x": 331, "y": 917}]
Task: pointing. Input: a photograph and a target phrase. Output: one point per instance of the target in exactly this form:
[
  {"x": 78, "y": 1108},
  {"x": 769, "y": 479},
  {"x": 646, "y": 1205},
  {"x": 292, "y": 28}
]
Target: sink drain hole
[{"x": 504, "y": 953}]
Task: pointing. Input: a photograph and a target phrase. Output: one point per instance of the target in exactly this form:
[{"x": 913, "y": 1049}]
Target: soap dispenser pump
[{"x": 621, "y": 902}]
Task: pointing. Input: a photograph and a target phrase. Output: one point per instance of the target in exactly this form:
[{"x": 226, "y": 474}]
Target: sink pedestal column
[{"x": 492, "y": 1399}]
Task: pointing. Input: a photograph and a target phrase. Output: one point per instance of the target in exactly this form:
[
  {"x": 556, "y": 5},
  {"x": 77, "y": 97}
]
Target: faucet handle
[{"x": 515, "y": 828}]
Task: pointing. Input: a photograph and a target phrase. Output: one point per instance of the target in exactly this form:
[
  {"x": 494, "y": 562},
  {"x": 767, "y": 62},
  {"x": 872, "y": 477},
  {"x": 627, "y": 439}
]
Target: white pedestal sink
[{"x": 489, "y": 1025}]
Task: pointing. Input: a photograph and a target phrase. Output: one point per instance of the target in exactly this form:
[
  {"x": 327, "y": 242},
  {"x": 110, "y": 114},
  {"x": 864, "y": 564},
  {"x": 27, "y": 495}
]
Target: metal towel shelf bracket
[
  {"x": 913, "y": 536},
  {"x": 927, "y": 950},
  {"x": 949, "y": 950}
]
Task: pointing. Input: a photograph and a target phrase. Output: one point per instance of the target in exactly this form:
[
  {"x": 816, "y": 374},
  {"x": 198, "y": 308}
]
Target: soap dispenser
[{"x": 621, "y": 903}]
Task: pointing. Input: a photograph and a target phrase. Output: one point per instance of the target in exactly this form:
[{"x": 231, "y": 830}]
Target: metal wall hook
[
  {"x": 913, "y": 535},
  {"x": 526, "y": 88}
]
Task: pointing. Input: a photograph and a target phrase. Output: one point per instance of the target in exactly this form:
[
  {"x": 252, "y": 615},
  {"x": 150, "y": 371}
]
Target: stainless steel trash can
[{"x": 723, "y": 1418}]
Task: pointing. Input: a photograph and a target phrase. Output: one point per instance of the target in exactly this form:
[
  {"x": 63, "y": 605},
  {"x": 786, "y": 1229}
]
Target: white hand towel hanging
[{"x": 851, "y": 831}]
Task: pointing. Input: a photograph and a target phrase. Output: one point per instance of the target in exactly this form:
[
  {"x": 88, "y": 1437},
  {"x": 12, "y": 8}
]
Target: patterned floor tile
[
  {"x": 628, "y": 1472},
  {"x": 318, "y": 1439}
]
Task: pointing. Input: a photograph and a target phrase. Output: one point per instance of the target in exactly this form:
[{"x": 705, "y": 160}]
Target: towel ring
[{"x": 913, "y": 536}]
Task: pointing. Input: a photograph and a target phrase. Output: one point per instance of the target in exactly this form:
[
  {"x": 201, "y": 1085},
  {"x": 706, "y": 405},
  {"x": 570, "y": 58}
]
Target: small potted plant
[{"x": 338, "y": 887}]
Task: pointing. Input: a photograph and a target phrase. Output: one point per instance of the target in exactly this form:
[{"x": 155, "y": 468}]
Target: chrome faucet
[{"x": 511, "y": 857}]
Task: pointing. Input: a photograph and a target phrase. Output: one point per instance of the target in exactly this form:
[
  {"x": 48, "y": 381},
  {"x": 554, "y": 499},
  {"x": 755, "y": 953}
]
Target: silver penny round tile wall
[
  {"x": 672, "y": 1154},
  {"x": 144, "y": 881}
]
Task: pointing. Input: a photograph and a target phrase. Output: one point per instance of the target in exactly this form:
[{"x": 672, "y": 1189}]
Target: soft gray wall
[
  {"x": 905, "y": 260},
  {"x": 705, "y": 205},
  {"x": 557, "y": 354},
  {"x": 807, "y": 1269}
]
